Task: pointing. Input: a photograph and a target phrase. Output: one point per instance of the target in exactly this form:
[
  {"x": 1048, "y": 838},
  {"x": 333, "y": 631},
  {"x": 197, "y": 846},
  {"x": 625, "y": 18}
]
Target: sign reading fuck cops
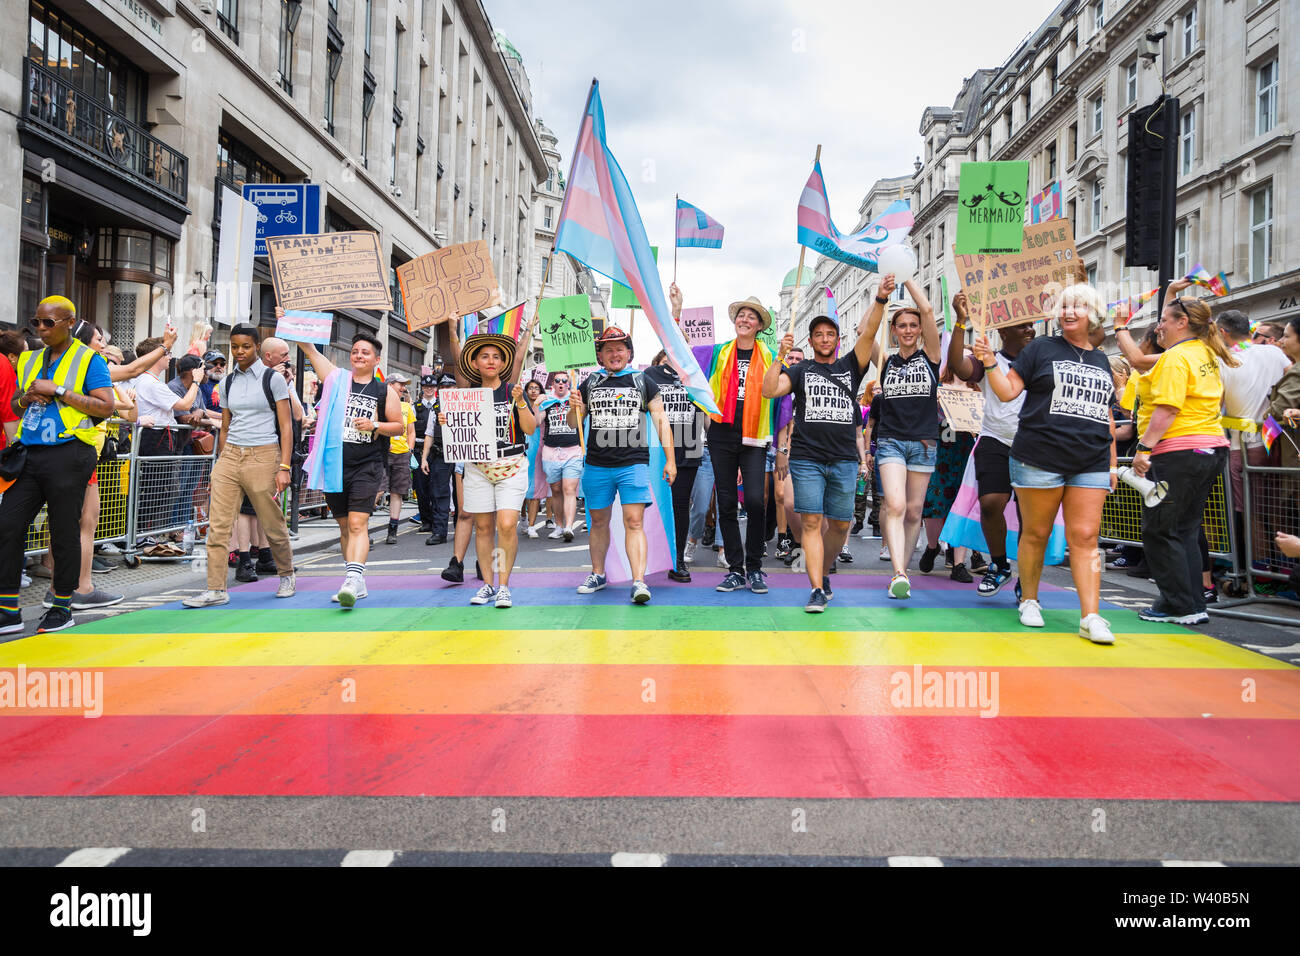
[{"x": 470, "y": 430}]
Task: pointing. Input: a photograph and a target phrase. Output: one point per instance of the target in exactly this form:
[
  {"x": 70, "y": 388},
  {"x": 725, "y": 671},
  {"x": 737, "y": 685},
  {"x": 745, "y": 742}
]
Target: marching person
[
  {"x": 538, "y": 488},
  {"x": 254, "y": 451},
  {"x": 997, "y": 434},
  {"x": 421, "y": 478},
  {"x": 687, "y": 422},
  {"x": 1063, "y": 452},
  {"x": 738, "y": 440},
  {"x": 358, "y": 415},
  {"x": 561, "y": 455},
  {"x": 823, "y": 457},
  {"x": 618, "y": 455},
  {"x": 63, "y": 390}
]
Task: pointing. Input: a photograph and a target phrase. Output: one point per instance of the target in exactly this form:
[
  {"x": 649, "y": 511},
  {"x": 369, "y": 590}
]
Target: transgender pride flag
[
  {"x": 601, "y": 228},
  {"x": 697, "y": 228},
  {"x": 817, "y": 232}
]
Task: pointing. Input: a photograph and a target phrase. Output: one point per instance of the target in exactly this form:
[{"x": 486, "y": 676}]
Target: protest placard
[
  {"x": 567, "y": 338},
  {"x": 333, "y": 270},
  {"x": 313, "y": 327},
  {"x": 453, "y": 281},
  {"x": 1046, "y": 206},
  {"x": 1011, "y": 290},
  {"x": 697, "y": 325},
  {"x": 470, "y": 431},
  {"x": 991, "y": 207},
  {"x": 622, "y": 297},
  {"x": 963, "y": 407},
  {"x": 234, "y": 299}
]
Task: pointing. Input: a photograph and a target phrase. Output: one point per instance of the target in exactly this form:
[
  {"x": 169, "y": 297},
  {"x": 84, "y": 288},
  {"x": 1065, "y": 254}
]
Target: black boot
[
  {"x": 265, "y": 561},
  {"x": 454, "y": 572},
  {"x": 246, "y": 571}
]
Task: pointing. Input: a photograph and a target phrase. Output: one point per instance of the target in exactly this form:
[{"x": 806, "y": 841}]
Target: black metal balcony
[{"x": 76, "y": 121}]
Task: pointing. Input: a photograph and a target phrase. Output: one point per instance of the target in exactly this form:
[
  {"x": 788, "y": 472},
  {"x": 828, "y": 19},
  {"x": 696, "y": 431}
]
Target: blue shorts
[
  {"x": 558, "y": 470},
  {"x": 631, "y": 483},
  {"x": 918, "y": 456},
  {"x": 824, "y": 488},
  {"x": 1027, "y": 476}
]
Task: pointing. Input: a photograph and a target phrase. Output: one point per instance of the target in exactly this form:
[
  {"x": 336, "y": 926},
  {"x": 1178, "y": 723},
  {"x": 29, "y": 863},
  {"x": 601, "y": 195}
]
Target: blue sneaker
[
  {"x": 732, "y": 582},
  {"x": 593, "y": 584},
  {"x": 995, "y": 579}
]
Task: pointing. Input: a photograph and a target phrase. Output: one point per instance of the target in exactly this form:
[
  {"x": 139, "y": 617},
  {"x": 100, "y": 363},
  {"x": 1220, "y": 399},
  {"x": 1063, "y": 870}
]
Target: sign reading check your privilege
[
  {"x": 446, "y": 283},
  {"x": 470, "y": 430},
  {"x": 333, "y": 270},
  {"x": 1012, "y": 290}
]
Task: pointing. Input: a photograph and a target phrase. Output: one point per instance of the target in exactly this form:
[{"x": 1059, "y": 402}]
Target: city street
[{"x": 702, "y": 728}]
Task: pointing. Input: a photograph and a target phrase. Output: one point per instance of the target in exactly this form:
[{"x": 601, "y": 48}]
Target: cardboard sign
[
  {"x": 313, "y": 327},
  {"x": 697, "y": 326},
  {"x": 768, "y": 335},
  {"x": 963, "y": 407},
  {"x": 235, "y": 259},
  {"x": 457, "y": 280},
  {"x": 333, "y": 270},
  {"x": 991, "y": 207},
  {"x": 540, "y": 373},
  {"x": 565, "y": 325},
  {"x": 1012, "y": 290},
  {"x": 470, "y": 432},
  {"x": 622, "y": 297}
]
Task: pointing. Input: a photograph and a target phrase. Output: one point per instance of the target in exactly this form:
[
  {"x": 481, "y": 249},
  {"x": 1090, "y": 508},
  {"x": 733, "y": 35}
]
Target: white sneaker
[
  {"x": 540, "y": 526},
  {"x": 288, "y": 586},
  {"x": 1031, "y": 613},
  {"x": 354, "y": 588},
  {"x": 722, "y": 558},
  {"x": 884, "y": 553},
  {"x": 1096, "y": 629},
  {"x": 26, "y": 580},
  {"x": 556, "y": 535},
  {"x": 503, "y": 597},
  {"x": 108, "y": 547},
  {"x": 640, "y": 593},
  {"x": 688, "y": 553},
  {"x": 207, "y": 599},
  {"x": 531, "y": 532},
  {"x": 486, "y": 593}
]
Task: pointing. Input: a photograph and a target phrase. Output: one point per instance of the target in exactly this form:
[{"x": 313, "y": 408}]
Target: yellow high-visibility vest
[{"x": 70, "y": 372}]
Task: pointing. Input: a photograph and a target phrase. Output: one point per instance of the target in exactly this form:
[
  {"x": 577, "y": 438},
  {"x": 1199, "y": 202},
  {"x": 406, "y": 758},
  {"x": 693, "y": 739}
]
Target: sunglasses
[{"x": 38, "y": 323}]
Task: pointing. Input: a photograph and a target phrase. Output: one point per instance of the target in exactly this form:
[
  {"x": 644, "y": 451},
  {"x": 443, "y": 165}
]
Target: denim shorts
[
  {"x": 1027, "y": 476},
  {"x": 631, "y": 483},
  {"x": 556, "y": 471},
  {"x": 918, "y": 456},
  {"x": 824, "y": 488}
]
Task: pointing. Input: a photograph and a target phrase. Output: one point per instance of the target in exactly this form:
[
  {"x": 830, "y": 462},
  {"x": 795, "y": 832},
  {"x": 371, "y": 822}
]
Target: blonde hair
[
  {"x": 59, "y": 301},
  {"x": 1119, "y": 365},
  {"x": 1082, "y": 292},
  {"x": 1201, "y": 324}
]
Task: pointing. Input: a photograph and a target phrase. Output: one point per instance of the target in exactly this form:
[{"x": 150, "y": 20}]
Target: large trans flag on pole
[
  {"x": 860, "y": 249},
  {"x": 601, "y": 228}
]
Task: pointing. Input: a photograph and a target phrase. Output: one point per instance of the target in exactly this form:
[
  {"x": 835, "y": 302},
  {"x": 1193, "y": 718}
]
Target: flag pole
[
  {"x": 798, "y": 273},
  {"x": 527, "y": 333},
  {"x": 676, "y": 199}
]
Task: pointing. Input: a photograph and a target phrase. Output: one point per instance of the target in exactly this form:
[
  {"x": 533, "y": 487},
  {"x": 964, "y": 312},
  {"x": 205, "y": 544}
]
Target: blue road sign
[{"x": 284, "y": 209}]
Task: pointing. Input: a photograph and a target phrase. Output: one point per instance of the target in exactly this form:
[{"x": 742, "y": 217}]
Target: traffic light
[{"x": 1149, "y": 142}]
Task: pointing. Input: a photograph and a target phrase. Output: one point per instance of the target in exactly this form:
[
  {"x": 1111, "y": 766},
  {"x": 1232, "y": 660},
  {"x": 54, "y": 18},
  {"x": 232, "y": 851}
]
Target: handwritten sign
[
  {"x": 963, "y": 407},
  {"x": 565, "y": 324},
  {"x": 470, "y": 431},
  {"x": 313, "y": 327},
  {"x": 454, "y": 281},
  {"x": 991, "y": 207},
  {"x": 1012, "y": 290},
  {"x": 697, "y": 325},
  {"x": 333, "y": 270}
]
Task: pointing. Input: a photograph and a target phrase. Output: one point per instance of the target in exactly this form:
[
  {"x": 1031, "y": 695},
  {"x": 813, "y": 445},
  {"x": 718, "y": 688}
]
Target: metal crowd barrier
[
  {"x": 112, "y": 478},
  {"x": 1271, "y": 500},
  {"x": 164, "y": 494},
  {"x": 1121, "y": 518}
]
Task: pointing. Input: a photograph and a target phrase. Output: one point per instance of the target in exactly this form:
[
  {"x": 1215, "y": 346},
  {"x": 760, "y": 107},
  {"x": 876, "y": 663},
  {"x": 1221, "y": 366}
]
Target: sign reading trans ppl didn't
[{"x": 284, "y": 209}]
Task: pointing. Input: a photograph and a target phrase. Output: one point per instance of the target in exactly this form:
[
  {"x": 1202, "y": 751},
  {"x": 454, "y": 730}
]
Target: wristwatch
[
  {"x": 60, "y": 391},
  {"x": 884, "y": 301},
  {"x": 1142, "y": 447}
]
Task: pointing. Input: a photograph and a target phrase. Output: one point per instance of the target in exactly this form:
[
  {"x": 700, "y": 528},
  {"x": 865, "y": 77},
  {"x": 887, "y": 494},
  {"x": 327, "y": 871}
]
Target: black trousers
[
  {"x": 728, "y": 455},
  {"x": 421, "y": 483},
  {"x": 55, "y": 476},
  {"x": 1170, "y": 529},
  {"x": 441, "y": 476},
  {"x": 683, "y": 485}
]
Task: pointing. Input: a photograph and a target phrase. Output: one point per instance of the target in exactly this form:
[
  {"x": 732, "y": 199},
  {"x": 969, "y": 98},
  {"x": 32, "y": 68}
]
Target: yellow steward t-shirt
[
  {"x": 398, "y": 444},
  {"x": 1186, "y": 377}
]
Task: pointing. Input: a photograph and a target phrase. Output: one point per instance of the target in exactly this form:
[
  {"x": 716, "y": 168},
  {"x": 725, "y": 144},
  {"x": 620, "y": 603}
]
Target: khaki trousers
[{"x": 243, "y": 471}]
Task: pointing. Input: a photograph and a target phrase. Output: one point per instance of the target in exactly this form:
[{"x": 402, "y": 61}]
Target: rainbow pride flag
[
  {"x": 510, "y": 322},
  {"x": 1218, "y": 284},
  {"x": 1271, "y": 431}
]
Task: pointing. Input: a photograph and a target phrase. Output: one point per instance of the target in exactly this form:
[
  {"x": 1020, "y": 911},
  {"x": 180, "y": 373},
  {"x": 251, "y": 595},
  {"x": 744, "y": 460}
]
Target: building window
[
  {"x": 1074, "y": 141},
  {"x": 550, "y": 178},
  {"x": 1096, "y": 205},
  {"x": 1182, "y": 248},
  {"x": 545, "y": 263},
  {"x": 938, "y": 252},
  {"x": 547, "y": 212},
  {"x": 1189, "y": 31},
  {"x": 367, "y": 105},
  {"x": 228, "y": 18},
  {"x": 1187, "y": 142},
  {"x": 290, "y": 11},
  {"x": 369, "y": 22},
  {"x": 399, "y": 306},
  {"x": 1261, "y": 232},
  {"x": 333, "y": 62},
  {"x": 1096, "y": 111},
  {"x": 236, "y": 165},
  {"x": 988, "y": 145},
  {"x": 1008, "y": 124},
  {"x": 1051, "y": 162},
  {"x": 1131, "y": 83},
  {"x": 1092, "y": 275},
  {"x": 1052, "y": 85},
  {"x": 1098, "y": 15},
  {"x": 1265, "y": 97},
  {"x": 58, "y": 45}
]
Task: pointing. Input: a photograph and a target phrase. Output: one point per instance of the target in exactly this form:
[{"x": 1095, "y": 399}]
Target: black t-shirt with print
[
  {"x": 909, "y": 410},
  {"x": 685, "y": 417},
  {"x": 559, "y": 433},
  {"x": 736, "y": 425},
  {"x": 510, "y": 434},
  {"x": 1065, "y": 421},
  {"x": 826, "y": 409},
  {"x": 364, "y": 401},
  {"x": 616, "y": 406}
]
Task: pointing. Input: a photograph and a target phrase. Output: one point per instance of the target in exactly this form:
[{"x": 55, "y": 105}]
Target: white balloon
[{"x": 897, "y": 261}]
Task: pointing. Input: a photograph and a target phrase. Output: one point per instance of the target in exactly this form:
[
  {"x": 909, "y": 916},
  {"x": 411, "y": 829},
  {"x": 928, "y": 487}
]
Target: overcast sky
[{"x": 725, "y": 102}]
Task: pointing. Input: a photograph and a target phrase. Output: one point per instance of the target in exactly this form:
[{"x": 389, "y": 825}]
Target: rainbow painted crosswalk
[{"x": 697, "y": 694}]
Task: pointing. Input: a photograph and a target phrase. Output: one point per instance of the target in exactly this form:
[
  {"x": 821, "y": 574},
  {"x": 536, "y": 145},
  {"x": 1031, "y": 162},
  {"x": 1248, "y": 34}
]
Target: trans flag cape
[
  {"x": 962, "y": 529},
  {"x": 324, "y": 464},
  {"x": 660, "y": 532},
  {"x": 601, "y": 228},
  {"x": 860, "y": 249}
]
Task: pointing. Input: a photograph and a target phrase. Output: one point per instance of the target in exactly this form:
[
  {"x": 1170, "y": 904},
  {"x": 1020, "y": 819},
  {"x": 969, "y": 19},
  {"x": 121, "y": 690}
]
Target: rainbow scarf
[{"x": 720, "y": 366}]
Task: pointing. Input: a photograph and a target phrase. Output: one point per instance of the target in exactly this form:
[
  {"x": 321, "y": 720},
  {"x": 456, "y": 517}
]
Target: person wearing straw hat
[
  {"x": 738, "y": 439},
  {"x": 494, "y": 491}
]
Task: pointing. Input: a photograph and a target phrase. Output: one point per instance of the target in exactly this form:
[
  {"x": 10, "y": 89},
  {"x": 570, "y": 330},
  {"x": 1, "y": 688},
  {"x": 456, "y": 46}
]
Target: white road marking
[
  {"x": 94, "y": 856},
  {"x": 1265, "y": 649},
  {"x": 1191, "y": 863},
  {"x": 638, "y": 859},
  {"x": 369, "y": 858},
  {"x": 576, "y": 547},
  {"x": 375, "y": 564},
  {"x": 915, "y": 861}
]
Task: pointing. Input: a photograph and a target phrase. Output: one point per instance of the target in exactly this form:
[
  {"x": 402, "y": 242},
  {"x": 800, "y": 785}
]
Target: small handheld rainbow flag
[
  {"x": 1216, "y": 284},
  {"x": 1134, "y": 304},
  {"x": 510, "y": 322},
  {"x": 1270, "y": 432}
]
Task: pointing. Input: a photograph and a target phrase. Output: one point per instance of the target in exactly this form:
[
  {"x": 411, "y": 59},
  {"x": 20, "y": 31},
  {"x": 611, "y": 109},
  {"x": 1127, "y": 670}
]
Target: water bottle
[{"x": 187, "y": 539}]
